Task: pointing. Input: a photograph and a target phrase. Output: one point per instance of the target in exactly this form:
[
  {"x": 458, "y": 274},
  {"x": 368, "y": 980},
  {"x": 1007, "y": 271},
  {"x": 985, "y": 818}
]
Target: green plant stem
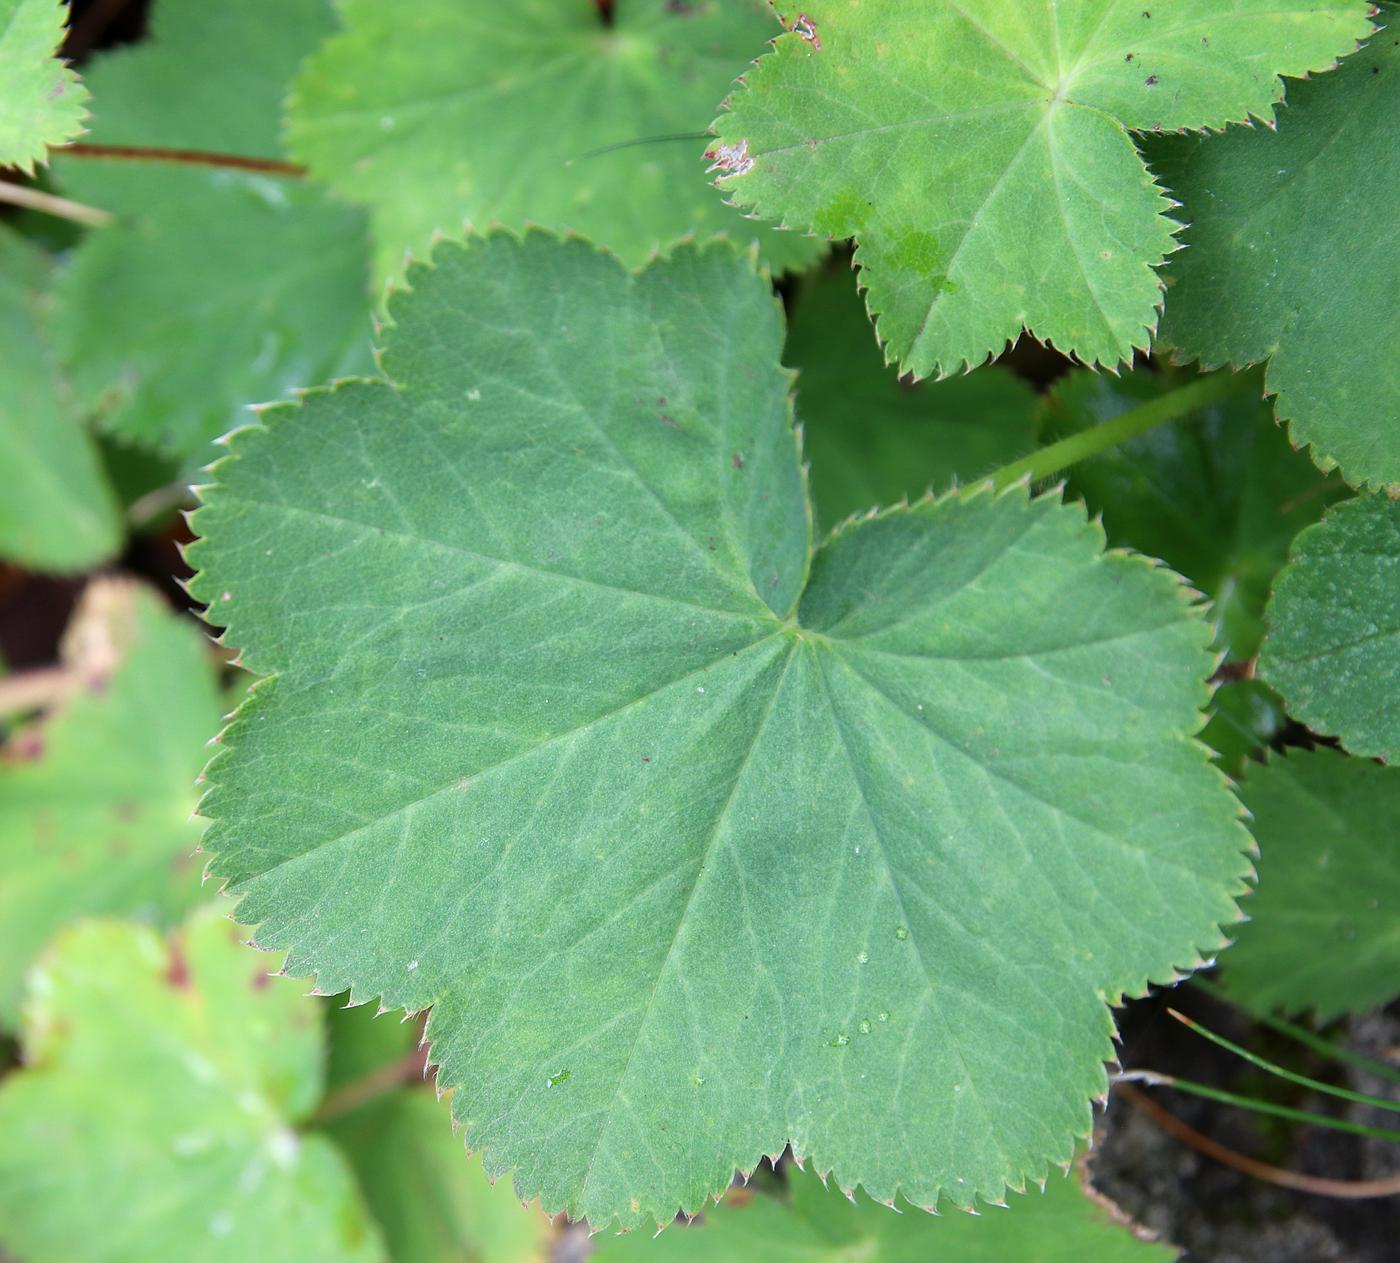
[
  {"x": 1360, "y": 1098},
  {"x": 1074, "y": 448},
  {"x": 1309, "y": 1039},
  {"x": 1153, "y": 1079}
]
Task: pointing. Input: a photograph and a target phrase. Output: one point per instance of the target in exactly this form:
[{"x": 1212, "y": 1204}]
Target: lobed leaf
[
  {"x": 843, "y": 848},
  {"x": 155, "y": 1116},
  {"x": 1321, "y": 934},
  {"x": 1294, "y": 258},
  {"x": 982, "y": 157},
  {"x": 43, "y": 101},
  {"x": 1333, "y": 647},
  {"x": 231, "y": 287},
  {"x": 57, "y": 509},
  {"x": 465, "y": 111},
  {"x": 873, "y": 439}
]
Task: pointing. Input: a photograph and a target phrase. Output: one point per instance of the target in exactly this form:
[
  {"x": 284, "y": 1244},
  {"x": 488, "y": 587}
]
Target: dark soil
[{"x": 1214, "y": 1213}]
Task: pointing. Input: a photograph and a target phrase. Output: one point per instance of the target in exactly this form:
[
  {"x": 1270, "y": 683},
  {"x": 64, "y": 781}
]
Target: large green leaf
[
  {"x": 470, "y": 111},
  {"x": 818, "y": 1225},
  {"x": 215, "y": 289},
  {"x": 96, "y": 799},
  {"x": 155, "y": 1117},
  {"x": 1322, "y": 933},
  {"x": 1333, "y": 648},
  {"x": 1295, "y": 258},
  {"x": 42, "y": 103},
  {"x": 981, "y": 154},
  {"x": 873, "y": 439},
  {"x": 431, "y": 1205},
  {"x": 57, "y": 511},
  {"x": 1218, "y": 495},
  {"x": 843, "y": 848}
]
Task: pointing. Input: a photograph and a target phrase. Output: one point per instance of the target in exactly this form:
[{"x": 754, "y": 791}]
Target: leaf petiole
[{"x": 1059, "y": 456}]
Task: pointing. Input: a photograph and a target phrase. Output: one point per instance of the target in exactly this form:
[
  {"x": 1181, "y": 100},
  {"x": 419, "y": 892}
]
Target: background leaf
[
  {"x": 817, "y": 1225},
  {"x": 1294, "y": 258},
  {"x": 1333, "y": 648},
  {"x": 432, "y": 1205},
  {"x": 57, "y": 510},
  {"x": 982, "y": 158},
  {"x": 216, "y": 288},
  {"x": 465, "y": 111},
  {"x": 43, "y": 101},
  {"x": 184, "y": 1068},
  {"x": 97, "y": 799},
  {"x": 874, "y": 439},
  {"x": 1217, "y": 495},
  {"x": 561, "y": 724},
  {"x": 1321, "y": 934}
]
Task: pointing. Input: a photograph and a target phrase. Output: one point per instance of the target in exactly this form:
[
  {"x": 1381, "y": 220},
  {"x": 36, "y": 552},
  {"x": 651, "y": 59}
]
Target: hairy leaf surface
[
  {"x": 155, "y": 1115},
  {"x": 1322, "y": 929},
  {"x": 57, "y": 511},
  {"x": 97, "y": 798},
  {"x": 431, "y": 1205},
  {"x": 467, "y": 111},
  {"x": 981, "y": 154},
  {"x": 1219, "y": 495},
  {"x": 1294, "y": 258},
  {"x": 873, "y": 439},
  {"x": 232, "y": 287},
  {"x": 42, "y": 102},
  {"x": 816, "y": 1225},
  {"x": 843, "y": 848},
  {"x": 1333, "y": 648}
]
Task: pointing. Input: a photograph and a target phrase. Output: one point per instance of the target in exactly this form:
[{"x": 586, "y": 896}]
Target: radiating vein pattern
[{"x": 697, "y": 841}]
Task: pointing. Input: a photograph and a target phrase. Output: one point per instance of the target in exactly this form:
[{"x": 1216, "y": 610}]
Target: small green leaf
[
  {"x": 1333, "y": 648},
  {"x": 1218, "y": 495},
  {"x": 1294, "y": 258},
  {"x": 97, "y": 799},
  {"x": 42, "y": 103},
  {"x": 156, "y": 1115},
  {"x": 982, "y": 157},
  {"x": 233, "y": 288},
  {"x": 875, "y": 440},
  {"x": 468, "y": 111},
  {"x": 57, "y": 510},
  {"x": 843, "y": 848},
  {"x": 1322, "y": 929},
  {"x": 816, "y": 1225},
  {"x": 431, "y": 1204}
]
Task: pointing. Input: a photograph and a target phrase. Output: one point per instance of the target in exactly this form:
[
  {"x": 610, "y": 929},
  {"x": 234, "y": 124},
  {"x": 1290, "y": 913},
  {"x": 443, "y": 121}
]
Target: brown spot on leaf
[{"x": 177, "y": 973}]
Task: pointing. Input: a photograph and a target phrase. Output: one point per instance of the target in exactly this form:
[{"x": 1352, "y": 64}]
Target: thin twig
[
  {"x": 1321, "y": 1185},
  {"x": 47, "y": 204},
  {"x": 411, "y": 1066},
  {"x": 35, "y": 690},
  {"x": 189, "y": 157}
]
